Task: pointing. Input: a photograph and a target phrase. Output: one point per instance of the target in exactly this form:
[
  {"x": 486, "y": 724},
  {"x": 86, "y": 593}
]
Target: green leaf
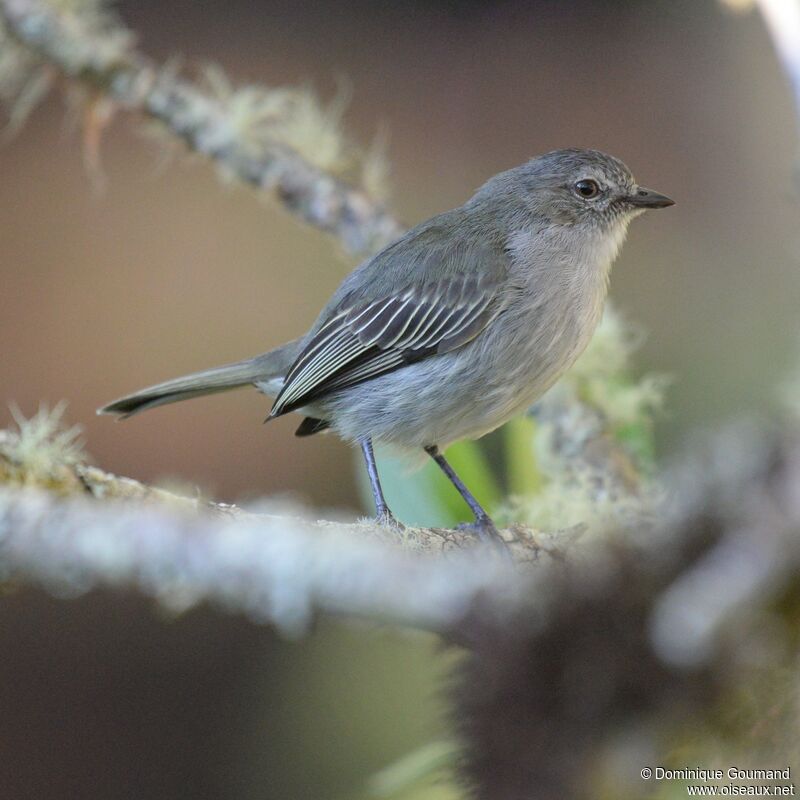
[
  {"x": 425, "y": 496},
  {"x": 472, "y": 466},
  {"x": 413, "y": 769},
  {"x": 524, "y": 477},
  {"x": 638, "y": 440}
]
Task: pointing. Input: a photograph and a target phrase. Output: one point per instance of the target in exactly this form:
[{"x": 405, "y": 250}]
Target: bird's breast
[{"x": 549, "y": 316}]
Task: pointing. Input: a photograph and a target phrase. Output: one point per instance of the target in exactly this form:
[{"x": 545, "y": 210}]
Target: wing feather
[{"x": 366, "y": 339}]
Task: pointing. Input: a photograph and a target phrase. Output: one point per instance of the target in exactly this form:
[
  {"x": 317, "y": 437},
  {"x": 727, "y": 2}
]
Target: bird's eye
[{"x": 587, "y": 189}]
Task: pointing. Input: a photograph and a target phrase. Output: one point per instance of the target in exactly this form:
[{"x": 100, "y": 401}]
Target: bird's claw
[
  {"x": 388, "y": 520},
  {"x": 485, "y": 530}
]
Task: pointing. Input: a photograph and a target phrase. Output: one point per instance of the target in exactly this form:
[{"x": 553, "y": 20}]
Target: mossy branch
[
  {"x": 666, "y": 617},
  {"x": 72, "y": 527},
  {"x": 253, "y": 134},
  {"x": 280, "y": 570}
]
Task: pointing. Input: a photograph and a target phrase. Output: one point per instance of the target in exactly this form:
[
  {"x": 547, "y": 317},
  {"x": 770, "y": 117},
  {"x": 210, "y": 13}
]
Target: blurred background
[{"x": 168, "y": 271}]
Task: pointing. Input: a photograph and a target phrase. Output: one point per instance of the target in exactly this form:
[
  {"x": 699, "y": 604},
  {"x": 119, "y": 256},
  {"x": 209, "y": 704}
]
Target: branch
[
  {"x": 278, "y": 570},
  {"x": 100, "y": 57},
  {"x": 72, "y": 527},
  {"x": 733, "y": 517},
  {"x": 629, "y": 635}
]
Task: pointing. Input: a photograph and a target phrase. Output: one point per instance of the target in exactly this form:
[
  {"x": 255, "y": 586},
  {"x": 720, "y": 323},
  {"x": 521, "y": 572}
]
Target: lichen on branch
[{"x": 283, "y": 141}]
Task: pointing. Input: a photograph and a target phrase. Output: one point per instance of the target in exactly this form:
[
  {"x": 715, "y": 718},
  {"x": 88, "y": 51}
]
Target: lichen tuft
[
  {"x": 42, "y": 446},
  {"x": 261, "y": 119}
]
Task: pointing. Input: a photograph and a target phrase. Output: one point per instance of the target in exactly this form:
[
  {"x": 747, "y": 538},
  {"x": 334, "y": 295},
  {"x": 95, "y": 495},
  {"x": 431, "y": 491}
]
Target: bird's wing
[{"x": 368, "y": 338}]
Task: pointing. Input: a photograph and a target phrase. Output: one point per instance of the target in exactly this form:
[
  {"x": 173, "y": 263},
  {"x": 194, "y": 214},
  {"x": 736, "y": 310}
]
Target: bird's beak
[{"x": 647, "y": 198}]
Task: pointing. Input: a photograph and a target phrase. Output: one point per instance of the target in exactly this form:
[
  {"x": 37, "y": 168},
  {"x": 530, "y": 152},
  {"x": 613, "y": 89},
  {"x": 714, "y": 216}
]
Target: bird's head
[{"x": 584, "y": 188}]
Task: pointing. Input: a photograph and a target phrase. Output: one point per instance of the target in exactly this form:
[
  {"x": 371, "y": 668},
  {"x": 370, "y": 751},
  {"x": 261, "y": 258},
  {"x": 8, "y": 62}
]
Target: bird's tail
[{"x": 261, "y": 370}]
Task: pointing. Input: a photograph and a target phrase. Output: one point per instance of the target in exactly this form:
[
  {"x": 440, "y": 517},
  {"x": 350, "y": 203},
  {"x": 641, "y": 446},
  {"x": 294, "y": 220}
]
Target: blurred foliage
[
  {"x": 421, "y": 775},
  {"x": 260, "y": 119},
  {"x": 603, "y": 378},
  {"x": 25, "y": 78}
]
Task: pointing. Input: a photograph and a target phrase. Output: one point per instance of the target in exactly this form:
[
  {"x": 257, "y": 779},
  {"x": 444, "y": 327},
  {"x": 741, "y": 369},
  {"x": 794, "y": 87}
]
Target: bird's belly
[{"x": 460, "y": 395}]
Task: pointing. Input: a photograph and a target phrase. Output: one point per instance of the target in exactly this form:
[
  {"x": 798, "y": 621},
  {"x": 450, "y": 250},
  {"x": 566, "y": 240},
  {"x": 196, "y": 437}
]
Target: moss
[
  {"x": 25, "y": 79},
  {"x": 41, "y": 451},
  {"x": 262, "y": 118}
]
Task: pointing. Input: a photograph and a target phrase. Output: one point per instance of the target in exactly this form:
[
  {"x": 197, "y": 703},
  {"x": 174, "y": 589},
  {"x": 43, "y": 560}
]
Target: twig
[
  {"x": 136, "y": 84},
  {"x": 43, "y": 455},
  {"x": 279, "y": 570}
]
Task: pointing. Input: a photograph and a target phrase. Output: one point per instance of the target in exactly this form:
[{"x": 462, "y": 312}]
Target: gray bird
[{"x": 457, "y": 326}]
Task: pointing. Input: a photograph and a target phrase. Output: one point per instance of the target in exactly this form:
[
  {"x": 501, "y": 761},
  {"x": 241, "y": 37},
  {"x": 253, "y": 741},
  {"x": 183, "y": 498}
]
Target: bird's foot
[
  {"x": 386, "y": 519},
  {"x": 485, "y": 530}
]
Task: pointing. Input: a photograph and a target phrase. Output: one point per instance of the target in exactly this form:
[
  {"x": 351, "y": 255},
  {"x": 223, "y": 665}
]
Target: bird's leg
[
  {"x": 383, "y": 514},
  {"x": 483, "y": 525}
]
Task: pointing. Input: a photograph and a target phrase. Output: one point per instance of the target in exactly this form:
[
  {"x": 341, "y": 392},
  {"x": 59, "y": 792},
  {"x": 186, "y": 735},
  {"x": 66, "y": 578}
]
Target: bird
[{"x": 457, "y": 326}]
